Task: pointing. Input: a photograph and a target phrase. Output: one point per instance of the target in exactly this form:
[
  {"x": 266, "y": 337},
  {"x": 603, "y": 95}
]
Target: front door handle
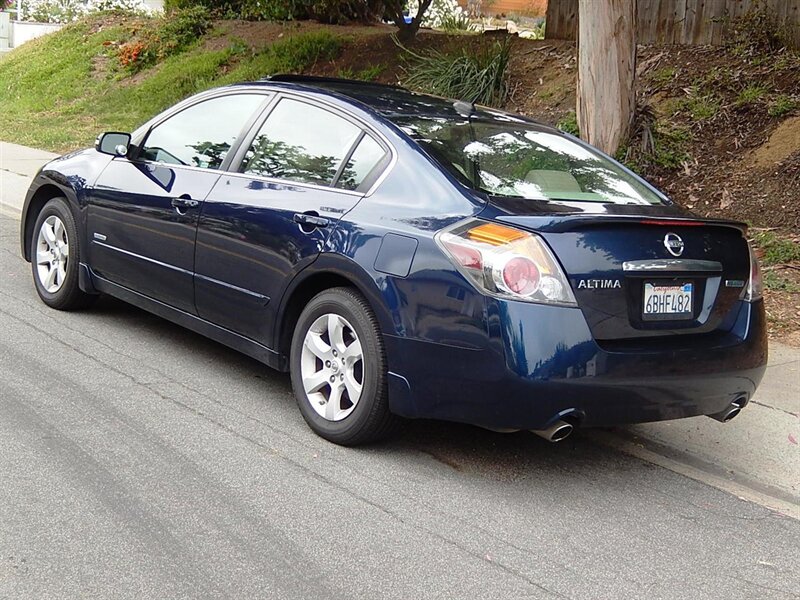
[
  {"x": 184, "y": 202},
  {"x": 311, "y": 220}
]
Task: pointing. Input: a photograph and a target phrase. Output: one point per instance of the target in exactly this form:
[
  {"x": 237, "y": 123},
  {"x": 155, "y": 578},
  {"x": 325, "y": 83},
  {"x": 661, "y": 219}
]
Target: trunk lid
[{"x": 645, "y": 272}]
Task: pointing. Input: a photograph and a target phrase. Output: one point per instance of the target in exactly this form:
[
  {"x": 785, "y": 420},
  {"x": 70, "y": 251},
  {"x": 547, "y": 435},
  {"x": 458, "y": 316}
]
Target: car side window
[
  {"x": 300, "y": 142},
  {"x": 366, "y": 157},
  {"x": 201, "y": 135}
]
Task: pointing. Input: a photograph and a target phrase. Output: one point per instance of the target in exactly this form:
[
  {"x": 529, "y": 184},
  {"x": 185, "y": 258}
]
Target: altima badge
[{"x": 674, "y": 244}]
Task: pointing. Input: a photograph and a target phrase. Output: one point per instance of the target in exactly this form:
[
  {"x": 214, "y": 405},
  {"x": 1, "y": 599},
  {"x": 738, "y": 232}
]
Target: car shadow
[{"x": 461, "y": 448}]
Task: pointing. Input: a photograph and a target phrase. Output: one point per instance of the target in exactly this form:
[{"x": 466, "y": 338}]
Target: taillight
[
  {"x": 755, "y": 285},
  {"x": 506, "y": 262}
]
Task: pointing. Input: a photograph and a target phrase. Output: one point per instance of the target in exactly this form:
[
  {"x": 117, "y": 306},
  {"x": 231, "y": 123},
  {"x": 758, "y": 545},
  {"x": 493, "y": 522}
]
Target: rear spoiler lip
[{"x": 561, "y": 223}]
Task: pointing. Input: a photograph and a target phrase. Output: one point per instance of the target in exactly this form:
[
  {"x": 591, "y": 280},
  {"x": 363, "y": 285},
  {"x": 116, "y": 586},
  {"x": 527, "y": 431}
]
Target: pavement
[
  {"x": 18, "y": 165},
  {"x": 141, "y": 460}
]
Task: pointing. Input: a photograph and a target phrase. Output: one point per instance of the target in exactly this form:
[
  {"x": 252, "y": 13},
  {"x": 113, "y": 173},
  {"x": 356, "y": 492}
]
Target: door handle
[
  {"x": 184, "y": 203},
  {"x": 311, "y": 220}
]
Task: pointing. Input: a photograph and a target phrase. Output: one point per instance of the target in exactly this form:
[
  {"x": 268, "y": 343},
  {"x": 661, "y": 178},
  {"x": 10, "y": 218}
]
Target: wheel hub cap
[
  {"x": 331, "y": 367},
  {"x": 52, "y": 254}
]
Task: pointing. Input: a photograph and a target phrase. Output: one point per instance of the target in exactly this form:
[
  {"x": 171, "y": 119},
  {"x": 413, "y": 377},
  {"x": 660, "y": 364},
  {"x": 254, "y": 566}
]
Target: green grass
[
  {"x": 774, "y": 281},
  {"x": 752, "y": 94},
  {"x": 782, "y": 105},
  {"x": 53, "y": 96},
  {"x": 777, "y": 250},
  {"x": 663, "y": 76},
  {"x": 368, "y": 74}
]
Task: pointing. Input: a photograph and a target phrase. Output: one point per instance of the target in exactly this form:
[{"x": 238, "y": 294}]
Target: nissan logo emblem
[{"x": 674, "y": 244}]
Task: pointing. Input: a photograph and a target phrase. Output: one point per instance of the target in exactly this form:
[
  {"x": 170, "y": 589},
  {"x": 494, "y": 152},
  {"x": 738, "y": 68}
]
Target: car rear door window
[
  {"x": 365, "y": 159},
  {"x": 203, "y": 134},
  {"x": 301, "y": 142}
]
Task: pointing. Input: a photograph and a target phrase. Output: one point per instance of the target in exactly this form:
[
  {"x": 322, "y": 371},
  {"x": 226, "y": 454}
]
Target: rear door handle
[
  {"x": 184, "y": 203},
  {"x": 311, "y": 220}
]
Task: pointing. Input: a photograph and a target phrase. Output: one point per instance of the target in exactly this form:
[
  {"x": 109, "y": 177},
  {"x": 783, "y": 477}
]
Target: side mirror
[{"x": 113, "y": 143}]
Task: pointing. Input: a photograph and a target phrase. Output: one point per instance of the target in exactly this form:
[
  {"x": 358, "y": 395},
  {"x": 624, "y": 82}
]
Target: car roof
[{"x": 393, "y": 102}]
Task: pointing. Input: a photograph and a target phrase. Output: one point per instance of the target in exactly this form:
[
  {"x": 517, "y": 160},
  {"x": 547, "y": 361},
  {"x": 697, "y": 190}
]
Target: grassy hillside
[{"x": 60, "y": 91}]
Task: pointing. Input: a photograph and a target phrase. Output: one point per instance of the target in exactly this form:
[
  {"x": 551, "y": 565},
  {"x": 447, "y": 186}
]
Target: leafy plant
[
  {"x": 569, "y": 124},
  {"x": 480, "y": 77},
  {"x": 758, "y": 31},
  {"x": 777, "y": 250},
  {"x": 159, "y": 38},
  {"x": 782, "y": 105},
  {"x": 774, "y": 281}
]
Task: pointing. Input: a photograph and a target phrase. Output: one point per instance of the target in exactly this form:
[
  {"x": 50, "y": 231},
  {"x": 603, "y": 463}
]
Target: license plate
[{"x": 667, "y": 301}]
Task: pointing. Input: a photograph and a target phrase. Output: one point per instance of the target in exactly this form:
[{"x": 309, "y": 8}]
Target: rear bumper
[{"x": 541, "y": 362}]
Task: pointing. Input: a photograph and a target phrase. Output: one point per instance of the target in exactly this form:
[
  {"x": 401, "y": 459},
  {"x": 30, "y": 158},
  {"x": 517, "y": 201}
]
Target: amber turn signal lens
[{"x": 494, "y": 234}]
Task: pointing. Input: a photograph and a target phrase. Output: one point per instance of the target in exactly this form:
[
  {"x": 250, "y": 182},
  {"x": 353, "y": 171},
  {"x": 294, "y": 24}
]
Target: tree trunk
[
  {"x": 406, "y": 31},
  {"x": 606, "y": 71}
]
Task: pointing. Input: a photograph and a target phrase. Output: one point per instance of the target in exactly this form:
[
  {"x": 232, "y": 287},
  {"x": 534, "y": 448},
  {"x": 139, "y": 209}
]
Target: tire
[
  {"x": 324, "y": 350},
  {"x": 55, "y": 256}
]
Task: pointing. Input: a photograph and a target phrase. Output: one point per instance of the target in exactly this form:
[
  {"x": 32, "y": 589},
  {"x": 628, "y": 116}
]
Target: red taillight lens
[
  {"x": 521, "y": 276},
  {"x": 465, "y": 256},
  {"x": 506, "y": 262}
]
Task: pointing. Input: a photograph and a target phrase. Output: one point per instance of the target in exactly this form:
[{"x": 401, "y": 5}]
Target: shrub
[
  {"x": 480, "y": 77},
  {"x": 66, "y": 11},
  {"x": 327, "y": 11},
  {"x": 569, "y": 124},
  {"x": 169, "y": 35},
  {"x": 758, "y": 30}
]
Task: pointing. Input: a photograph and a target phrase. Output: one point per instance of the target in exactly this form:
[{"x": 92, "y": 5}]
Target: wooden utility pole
[{"x": 606, "y": 71}]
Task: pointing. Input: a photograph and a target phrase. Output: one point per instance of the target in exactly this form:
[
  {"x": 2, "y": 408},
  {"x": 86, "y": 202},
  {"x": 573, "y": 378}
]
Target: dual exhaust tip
[{"x": 561, "y": 430}]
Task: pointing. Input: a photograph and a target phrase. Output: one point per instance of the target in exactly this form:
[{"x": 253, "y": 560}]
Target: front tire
[
  {"x": 339, "y": 370},
  {"x": 55, "y": 255}
]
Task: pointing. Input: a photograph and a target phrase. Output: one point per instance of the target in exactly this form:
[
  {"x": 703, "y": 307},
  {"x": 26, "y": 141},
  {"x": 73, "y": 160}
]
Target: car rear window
[{"x": 525, "y": 161}]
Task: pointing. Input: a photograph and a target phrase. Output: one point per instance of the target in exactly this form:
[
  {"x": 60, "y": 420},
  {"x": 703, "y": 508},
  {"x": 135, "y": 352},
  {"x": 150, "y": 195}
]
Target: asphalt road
[{"x": 139, "y": 460}]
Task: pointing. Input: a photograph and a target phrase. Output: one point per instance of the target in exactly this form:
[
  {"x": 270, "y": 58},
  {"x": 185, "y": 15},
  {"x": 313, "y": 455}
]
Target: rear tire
[
  {"x": 55, "y": 255},
  {"x": 339, "y": 369}
]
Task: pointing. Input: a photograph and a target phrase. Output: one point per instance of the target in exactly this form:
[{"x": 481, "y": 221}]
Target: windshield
[{"x": 521, "y": 160}]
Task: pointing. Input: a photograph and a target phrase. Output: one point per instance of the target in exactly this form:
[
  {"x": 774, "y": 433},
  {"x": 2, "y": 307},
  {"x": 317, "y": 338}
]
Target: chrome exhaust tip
[
  {"x": 729, "y": 413},
  {"x": 558, "y": 431}
]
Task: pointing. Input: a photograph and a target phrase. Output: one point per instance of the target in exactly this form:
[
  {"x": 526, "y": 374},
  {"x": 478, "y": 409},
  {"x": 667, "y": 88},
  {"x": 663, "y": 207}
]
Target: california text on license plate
[{"x": 667, "y": 301}]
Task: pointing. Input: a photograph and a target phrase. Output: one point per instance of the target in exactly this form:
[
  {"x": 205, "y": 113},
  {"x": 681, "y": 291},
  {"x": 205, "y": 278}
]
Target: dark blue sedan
[{"x": 408, "y": 256}]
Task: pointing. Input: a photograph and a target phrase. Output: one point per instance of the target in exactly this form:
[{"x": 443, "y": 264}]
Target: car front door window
[{"x": 203, "y": 134}]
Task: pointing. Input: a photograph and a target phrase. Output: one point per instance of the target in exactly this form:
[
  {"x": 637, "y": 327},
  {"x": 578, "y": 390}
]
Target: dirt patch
[{"x": 783, "y": 142}]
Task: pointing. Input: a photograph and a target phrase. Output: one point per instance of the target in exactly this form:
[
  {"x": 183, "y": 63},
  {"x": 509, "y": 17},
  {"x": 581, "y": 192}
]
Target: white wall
[{"x": 24, "y": 32}]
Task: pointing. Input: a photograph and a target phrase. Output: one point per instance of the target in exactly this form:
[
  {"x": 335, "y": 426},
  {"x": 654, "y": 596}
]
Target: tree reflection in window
[
  {"x": 270, "y": 158},
  {"x": 209, "y": 155},
  {"x": 526, "y": 161},
  {"x": 365, "y": 158},
  {"x": 301, "y": 142}
]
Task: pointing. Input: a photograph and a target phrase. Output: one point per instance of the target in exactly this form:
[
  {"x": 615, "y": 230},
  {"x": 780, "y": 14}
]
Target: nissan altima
[{"x": 408, "y": 256}]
